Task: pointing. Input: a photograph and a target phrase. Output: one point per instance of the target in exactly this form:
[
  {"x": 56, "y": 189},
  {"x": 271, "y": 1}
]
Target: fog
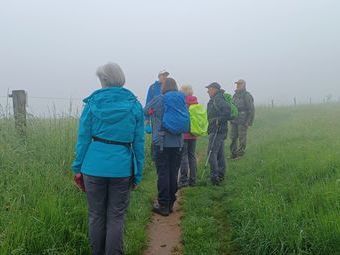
[{"x": 283, "y": 48}]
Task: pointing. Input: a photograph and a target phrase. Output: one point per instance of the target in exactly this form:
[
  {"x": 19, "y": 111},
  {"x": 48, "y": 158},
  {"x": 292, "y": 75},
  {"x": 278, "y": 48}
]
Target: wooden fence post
[
  {"x": 295, "y": 101},
  {"x": 19, "y": 108},
  {"x": 272, "y": 103}
]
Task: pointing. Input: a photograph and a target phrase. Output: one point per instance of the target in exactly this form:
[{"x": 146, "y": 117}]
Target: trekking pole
[{"x": 210, "y": 151}]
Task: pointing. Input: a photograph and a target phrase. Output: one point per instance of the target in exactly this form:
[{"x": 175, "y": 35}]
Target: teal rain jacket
[{"x": 113, "y": 114}]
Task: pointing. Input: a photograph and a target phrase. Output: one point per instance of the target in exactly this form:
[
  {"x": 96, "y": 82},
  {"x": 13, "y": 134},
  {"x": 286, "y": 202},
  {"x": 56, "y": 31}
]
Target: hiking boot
[
  {"x": 192, "y": 184},
  {"x": 161, "y": 210},
  {"x": 171, "y": 207},
  {"x": 233, "y": 156},
  {"x": 215, "y": 182},
  {"x": 182, "y": 185}
]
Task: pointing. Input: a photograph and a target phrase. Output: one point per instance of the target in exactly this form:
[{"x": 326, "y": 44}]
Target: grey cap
[{"x": 214, "y": 85}]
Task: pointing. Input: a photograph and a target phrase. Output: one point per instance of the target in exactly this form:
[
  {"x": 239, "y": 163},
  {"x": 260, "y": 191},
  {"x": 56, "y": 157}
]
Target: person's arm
[
  {"x": 224, "y": 109},
  {"x": 251, "y": 109},
  {"x": 149, "y": 97},
  {"x": 151, "y": 107},
  {"x": 84, "y": 138},
  {"x": 138, "y": 145}
]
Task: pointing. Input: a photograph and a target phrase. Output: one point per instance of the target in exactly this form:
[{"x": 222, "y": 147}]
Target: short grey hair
[{"x": 111, "y": 75}]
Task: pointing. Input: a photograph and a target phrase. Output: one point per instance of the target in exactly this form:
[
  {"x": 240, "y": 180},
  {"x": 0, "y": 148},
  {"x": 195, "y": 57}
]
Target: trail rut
[{"x": 165, "y": 233}]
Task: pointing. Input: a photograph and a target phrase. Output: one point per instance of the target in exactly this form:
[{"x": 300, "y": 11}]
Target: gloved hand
[
  {"x": 148, "y": 128},
  {"x": 79, "y": 181}
]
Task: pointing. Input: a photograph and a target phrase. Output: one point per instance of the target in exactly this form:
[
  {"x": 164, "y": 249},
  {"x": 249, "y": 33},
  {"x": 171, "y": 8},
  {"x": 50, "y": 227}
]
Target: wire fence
[
  {"x": 49, "y": 106},
  {"x": 45, "y": 107}
]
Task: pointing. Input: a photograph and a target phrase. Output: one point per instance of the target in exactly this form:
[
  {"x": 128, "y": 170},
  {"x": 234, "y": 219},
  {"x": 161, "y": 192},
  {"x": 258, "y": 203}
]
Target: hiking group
[{"x": 110, "y": 147}]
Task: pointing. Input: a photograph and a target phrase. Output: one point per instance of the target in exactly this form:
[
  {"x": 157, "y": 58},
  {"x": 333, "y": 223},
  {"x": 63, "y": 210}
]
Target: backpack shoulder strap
[
  {"x": 214, "y": 104},
  {"x": 247, "y": 94}
]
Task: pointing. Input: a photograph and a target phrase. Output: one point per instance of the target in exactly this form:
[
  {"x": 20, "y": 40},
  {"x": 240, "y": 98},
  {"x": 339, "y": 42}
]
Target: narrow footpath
[{"x": 165, "y": 233}]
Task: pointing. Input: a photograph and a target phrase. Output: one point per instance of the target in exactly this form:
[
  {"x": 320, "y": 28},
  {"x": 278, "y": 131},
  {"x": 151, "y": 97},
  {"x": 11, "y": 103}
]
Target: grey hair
[
  {"x": 187, "y": 90},
  {"x": 111, "y": 75}
]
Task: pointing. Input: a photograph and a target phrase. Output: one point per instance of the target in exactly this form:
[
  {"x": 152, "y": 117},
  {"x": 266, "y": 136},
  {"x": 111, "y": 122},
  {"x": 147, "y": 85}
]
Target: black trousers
[{"x": 167, "y": 163}]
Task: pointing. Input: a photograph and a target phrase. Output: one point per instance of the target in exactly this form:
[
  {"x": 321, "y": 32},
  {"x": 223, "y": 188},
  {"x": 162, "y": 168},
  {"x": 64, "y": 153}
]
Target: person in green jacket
[
  {"x": 109, "y": 157},
  {"x": 239, "y": 126}
]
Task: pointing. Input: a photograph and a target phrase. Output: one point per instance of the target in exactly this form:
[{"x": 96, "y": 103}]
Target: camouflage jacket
[{"x": 245, "y": 105}]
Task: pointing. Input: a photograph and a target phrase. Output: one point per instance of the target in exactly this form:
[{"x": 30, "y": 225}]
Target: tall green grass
[
  {"x": 283, "y": 197},
  {"x": 41, "y": 211}
]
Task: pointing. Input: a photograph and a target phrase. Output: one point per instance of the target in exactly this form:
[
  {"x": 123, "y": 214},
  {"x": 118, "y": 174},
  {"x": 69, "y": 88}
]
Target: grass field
[
  {"x": 41, "y": 212},
  {"x": 282, "y": 198}
]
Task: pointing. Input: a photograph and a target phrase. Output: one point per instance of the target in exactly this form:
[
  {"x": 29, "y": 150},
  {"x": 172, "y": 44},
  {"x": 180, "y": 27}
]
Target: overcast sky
[{"x": 282, "y": 48}]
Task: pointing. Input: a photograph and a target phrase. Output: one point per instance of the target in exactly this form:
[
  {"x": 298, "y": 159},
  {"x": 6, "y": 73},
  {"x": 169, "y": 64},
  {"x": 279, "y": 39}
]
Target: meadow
[
  {"x": 283, "y": 197},
  {"x": 41, "y": 211}
]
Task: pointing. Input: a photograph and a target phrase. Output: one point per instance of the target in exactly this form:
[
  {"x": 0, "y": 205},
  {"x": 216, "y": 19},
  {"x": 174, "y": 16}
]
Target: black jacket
[{"x": 219, "y": 112}]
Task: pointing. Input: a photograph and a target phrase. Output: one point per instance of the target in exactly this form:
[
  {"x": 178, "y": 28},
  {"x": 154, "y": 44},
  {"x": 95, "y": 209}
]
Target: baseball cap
[
  {"x": 163, "y": 72},
  {"x": 214, "y": 85},
  {"x": 240, "y": 81}
]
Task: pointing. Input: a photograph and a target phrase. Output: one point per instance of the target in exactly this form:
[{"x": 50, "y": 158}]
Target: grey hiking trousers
[
  {"x": 217, "y": 160},
  {"x": 189, "y": 163},
  {"x": 108, "y": 199},
  {"x": 238, "y": 137}
]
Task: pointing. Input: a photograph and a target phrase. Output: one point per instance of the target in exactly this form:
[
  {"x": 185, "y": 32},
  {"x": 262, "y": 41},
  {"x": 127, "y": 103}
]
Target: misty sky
[{"x": 282, "y": 48}]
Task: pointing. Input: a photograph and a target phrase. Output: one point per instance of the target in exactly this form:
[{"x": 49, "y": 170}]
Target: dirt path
[{"x": 165, "y": 233}]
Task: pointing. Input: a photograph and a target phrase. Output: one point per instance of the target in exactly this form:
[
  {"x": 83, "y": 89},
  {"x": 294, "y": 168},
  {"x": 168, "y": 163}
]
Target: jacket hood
[
  {"x": 111, "y": 104},
  {"x": 191, "y": 100}
]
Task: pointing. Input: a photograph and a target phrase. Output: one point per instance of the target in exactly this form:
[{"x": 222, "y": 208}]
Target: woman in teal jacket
[{"x": 109, "y": 157}]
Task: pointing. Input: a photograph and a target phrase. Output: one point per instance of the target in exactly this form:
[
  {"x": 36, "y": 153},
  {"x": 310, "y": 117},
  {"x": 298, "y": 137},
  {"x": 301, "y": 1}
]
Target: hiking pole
[{"x": 210, "y": 151}]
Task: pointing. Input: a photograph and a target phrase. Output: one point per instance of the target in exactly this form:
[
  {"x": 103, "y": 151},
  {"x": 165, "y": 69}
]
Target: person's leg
[
  {"x": 96, "y": 192},
  {"x": 234, "y": 138},
  {"x": 174, "y": 162},
  {"x": 243, "y": 139},
  {"x": 153, "y": 152},
  {"x": 192, "y": 161},
  {"x": 163, "y": 183},
  {"x": 214, "y": 148},
  {"x": 183, "y": 180},
  {"x": 118, "y": 201},
  {"x": 221, "y": 161}
]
